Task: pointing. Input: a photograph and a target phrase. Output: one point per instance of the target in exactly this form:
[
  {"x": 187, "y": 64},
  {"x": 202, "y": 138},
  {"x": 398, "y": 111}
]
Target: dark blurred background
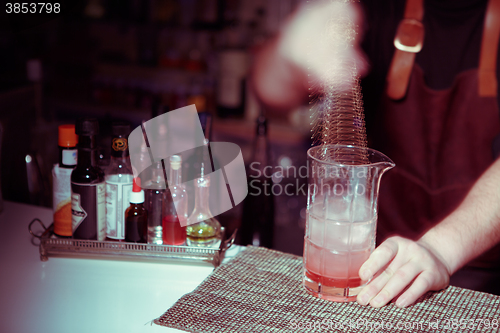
[{"x": 132, "y": 60}]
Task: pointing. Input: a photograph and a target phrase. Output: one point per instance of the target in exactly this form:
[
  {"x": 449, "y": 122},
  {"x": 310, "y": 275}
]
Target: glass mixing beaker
[{"x": 343, "y": 184}]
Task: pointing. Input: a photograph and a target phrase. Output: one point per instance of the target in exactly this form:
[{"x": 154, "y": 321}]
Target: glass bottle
[
  {"x": 154, "y": 190},
  {"x": 175, "y": 205},
  {"x": 207, "y": 231},
  {"x": 136, "y": 216},
  {"x": 61, "y": 180},
  {"x": 118, "y": 178},
  {"x": 88, "y": 205},
  {"x": 257, "y": 223}
]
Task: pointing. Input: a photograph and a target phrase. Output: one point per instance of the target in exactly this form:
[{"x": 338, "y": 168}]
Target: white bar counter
[{"x": 83, "y": 295}]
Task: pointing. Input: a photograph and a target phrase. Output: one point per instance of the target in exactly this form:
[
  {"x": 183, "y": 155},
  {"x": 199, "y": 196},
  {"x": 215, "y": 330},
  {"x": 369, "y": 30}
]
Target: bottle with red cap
[
  {"x": 136, "y": 216},
  {"x": 61, "y": 180},
  {"x": 67, "y": 146}
]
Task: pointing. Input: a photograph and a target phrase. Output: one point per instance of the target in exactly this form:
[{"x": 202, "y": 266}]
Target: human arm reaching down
[
  {"x": 311, "y": 50},
  {"x": 428, "y": 263}
]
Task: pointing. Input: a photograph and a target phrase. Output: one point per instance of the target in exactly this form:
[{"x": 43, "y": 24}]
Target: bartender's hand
[
  {"x": 470, "y": 230},
  {"x": 324, "y": 37},
  {"x": 315, "y": 47},
  {"x": 400, "y": 263}
]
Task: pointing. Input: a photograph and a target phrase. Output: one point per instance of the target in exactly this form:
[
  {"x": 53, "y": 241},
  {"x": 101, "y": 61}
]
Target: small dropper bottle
[{"x": 136, "y": 216}]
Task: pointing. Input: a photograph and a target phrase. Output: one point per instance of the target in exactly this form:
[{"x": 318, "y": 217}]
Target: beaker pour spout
[
  {"x": 382, "y": 167},
  {"x": 385, "y": 166}
]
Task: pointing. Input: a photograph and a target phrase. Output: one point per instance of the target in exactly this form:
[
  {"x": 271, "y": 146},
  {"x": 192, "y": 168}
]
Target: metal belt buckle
[{"x": 409, "y": 36}]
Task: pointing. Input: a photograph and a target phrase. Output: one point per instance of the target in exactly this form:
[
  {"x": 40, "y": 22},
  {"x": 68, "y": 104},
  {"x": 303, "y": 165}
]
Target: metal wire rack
[{"x": 52, "y": 246}]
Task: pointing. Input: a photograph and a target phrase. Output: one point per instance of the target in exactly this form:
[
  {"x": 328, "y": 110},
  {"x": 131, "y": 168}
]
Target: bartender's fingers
[
  {"x": 379, "y": 258},
  {"x": 421, "y": 285},
  {"x": 435, "y": 276},
  {"x": 411, "y": 259},
  {"x": 399, "y": 280},
  {"x": 386, "y": 285}
]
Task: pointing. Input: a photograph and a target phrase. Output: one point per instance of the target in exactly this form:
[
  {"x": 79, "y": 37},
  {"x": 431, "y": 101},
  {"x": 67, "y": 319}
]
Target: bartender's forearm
[{"x": 473, "y": 228}]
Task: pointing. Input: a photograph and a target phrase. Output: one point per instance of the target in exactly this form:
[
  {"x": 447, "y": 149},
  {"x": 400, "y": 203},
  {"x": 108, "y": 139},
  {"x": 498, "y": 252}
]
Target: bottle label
[
  {"x": 78, "y": 214},
  {"x": 117, "y": 202},
  {"x": 69, "y": 157},
  {"x": 88, "y": 211},
  {"x": 61, "y": 198}
]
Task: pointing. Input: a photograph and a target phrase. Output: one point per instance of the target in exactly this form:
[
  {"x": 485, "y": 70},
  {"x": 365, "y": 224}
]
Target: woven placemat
[{"x": 260, "y": 290}]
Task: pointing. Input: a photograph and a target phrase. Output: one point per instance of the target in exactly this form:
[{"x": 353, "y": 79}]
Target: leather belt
[
  {"x": 408, "y": 41},
  {"x": 487, "y": 80},
  {"x": 410, "y": 38}
]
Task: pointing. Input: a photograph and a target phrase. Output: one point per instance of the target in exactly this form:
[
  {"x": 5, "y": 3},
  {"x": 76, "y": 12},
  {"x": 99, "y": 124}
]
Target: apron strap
[
  {"x": 487, "y": 80},
  {"x": 408, "y": 41}
]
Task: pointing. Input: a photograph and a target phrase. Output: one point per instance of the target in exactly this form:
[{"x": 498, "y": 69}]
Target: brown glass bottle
[
  {"x": 136, "y": 216},
  {"x": 88, "y": 206}
]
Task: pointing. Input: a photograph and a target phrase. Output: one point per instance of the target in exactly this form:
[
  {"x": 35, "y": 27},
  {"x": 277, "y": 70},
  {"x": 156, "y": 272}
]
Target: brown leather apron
[{"x": 441, "y": 142}]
